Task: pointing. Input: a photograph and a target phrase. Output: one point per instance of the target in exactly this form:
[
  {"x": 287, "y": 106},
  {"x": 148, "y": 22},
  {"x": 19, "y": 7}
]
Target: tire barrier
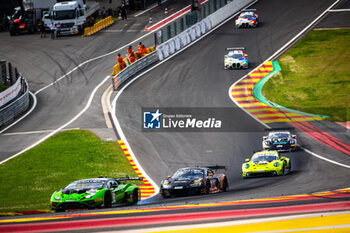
[
  {"x": 98, "y": 26},
  {"x": 12, "y": 110},
  {"x": 119, "y": 76}
]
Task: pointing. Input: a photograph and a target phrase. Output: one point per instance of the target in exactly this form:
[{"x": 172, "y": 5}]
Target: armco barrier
[
  {"x": 17, "y": 107},
  {"x": 132, "y": 69}
]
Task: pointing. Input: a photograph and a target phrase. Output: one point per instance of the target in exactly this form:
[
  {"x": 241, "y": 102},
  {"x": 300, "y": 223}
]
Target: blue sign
[{"x": 152, "y": 120}]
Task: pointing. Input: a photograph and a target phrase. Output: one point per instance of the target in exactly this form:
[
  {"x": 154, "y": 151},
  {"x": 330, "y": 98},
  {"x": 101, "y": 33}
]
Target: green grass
[
  {"x": 315, "y": 76},
  {"x": 28, "y": 180}
]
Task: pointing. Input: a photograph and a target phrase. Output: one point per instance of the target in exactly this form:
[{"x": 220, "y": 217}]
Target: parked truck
[{"x": 72, "y": 15}]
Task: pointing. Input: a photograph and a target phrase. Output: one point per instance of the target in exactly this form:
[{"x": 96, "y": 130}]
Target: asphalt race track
[{"x": 196, "y": 78}]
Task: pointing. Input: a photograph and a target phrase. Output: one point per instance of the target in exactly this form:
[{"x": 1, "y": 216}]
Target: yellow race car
[{"x": 265, "y": 163}]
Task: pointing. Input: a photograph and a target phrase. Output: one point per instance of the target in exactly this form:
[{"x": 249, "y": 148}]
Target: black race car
[
  {"x": 194, "y": 180},
  {"x": 280, "y": 141}
]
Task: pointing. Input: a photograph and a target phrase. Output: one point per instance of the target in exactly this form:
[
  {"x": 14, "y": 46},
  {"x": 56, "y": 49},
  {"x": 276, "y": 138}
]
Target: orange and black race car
[{"x": 194, "y": 180}]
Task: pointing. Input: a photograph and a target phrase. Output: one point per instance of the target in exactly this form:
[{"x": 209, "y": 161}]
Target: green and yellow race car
[
  {"x": 95, "y": 193},
  {"x": 265, "y": 163}
]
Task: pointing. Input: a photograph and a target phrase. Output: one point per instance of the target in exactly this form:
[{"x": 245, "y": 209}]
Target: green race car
[
  {"x": 95, "y": 193},
  {"x": 265, "y": 163}
]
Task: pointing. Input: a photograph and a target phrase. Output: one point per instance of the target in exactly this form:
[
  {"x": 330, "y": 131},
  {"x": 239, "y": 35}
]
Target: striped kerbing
[
  {"x": 242, "y": 92},
  {"x": 146, "y": 188}
]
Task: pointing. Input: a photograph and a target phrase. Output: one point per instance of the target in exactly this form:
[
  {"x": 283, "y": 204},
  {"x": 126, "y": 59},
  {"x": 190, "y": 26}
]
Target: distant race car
[
  {"x": 280, "y": 141},
  {"x": 265, "y": 163},
  {"x": 247, "y": 18},
  {"x": 235, "y": 59},
  {"x": 95, "y": 192},
  {"x": 194, "y": 180}
]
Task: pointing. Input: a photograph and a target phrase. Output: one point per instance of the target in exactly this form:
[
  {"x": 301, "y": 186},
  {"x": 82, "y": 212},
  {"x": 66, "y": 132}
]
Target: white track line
[
  {"x": 114, "y": 102},
  {"x": 268, "y": 59},
  {"x": 106, "y": 105},
  {"x": 34, "y": 132},
  {"x": 63, "y": 126},
  {"x": 339, "y": 10}
]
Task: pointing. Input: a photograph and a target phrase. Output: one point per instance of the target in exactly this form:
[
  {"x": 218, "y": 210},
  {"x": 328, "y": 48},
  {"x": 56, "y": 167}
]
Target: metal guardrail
[
  {"x": 132, "y": 69},
  {"x": 17, "y": 107}
]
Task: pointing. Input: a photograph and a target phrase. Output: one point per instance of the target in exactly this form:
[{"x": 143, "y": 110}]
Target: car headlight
[
  {"x": 238, "y": 22},
  {"x": 246, "y": 165},
  {"x": 57, "y": 198},
  {"x": 266, "y": 142},
  {"x": 165, "y": 182},
  {"x": 292, "y": 141},
  {"x": 197, "y": 183},
  {"x": 91, "y": 193},
  {"x": 276, "y": 164}
]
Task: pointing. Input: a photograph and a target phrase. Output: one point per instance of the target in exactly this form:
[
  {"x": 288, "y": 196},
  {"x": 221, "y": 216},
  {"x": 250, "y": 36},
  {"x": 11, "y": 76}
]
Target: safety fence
[
  {"x": 98, "y": 26},
  {"x": 19, "y": 105},
  {"x": 194, "y": 32},
  {"x": 188, "y": 20},
  {"x": 119, "y": 75}
]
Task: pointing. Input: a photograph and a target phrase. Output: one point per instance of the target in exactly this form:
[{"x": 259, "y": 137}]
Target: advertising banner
[{"x": 10, "y": 93}]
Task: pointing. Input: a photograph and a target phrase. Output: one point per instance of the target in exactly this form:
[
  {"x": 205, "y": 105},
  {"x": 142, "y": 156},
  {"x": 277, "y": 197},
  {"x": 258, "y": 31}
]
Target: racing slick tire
[
  {"x": 283, "y": 169},
  {"x": 135, "y": 196},
  {"x": 224, "y": 185},
  {"x": 207, "y": 187},
  {"x": 107, "y": 200}
]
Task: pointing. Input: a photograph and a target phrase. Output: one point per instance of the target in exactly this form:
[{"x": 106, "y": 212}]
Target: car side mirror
[
  {"x": 247, "y": 160},
  {"x": 283, "y": 158},
  {"x": 264, "y": 137},
  {"x": 245, "y": 55},
  {"x": 294, "y": 136},
  {"x": 168, "y": 177}
]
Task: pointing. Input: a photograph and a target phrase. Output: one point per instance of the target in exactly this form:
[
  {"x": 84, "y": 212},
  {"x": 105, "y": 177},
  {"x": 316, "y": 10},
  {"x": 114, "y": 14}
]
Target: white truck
[{"x": 71, "y": 15}]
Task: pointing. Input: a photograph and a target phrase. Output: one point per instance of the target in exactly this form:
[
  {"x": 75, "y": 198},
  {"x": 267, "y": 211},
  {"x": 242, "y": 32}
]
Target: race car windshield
[
  {"x": 188, "y": 174},
  {"x": 264, "y": 157},
  {"x": 279, "y": 135},
  {"x": 85, "y": 185},
  {"x": 236, "y": 56},
  {"x": 245, "y": 16}
]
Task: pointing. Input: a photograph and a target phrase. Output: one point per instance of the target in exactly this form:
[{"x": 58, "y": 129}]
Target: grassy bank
[
  {"x": 315, "y": 76},
  {"x": 28, "y": 180}
]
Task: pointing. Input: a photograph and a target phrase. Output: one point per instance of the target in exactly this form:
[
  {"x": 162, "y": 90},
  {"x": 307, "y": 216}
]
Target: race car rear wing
[
  {"x": 235, "y": 48},
  {"x": 245, "y": 10},
  {"x": 281, "y": 129},
  {"x": 217, "y": 167},
  {"x": 128, "y": 178}
]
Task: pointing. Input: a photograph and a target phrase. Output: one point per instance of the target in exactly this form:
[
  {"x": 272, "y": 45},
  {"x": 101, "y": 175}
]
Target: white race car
[
  {"x": 247, "y": 18},
  {"x": 235, "y": 59}
]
